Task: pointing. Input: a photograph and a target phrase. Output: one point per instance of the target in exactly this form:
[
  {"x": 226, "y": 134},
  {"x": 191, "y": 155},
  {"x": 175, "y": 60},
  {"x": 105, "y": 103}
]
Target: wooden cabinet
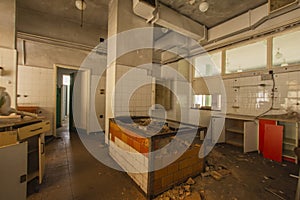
[{"x": 242, "y": 133}]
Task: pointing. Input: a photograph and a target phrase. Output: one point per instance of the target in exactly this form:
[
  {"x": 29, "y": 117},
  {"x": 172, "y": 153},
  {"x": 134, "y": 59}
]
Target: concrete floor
[{"x": 73, "y": 173}]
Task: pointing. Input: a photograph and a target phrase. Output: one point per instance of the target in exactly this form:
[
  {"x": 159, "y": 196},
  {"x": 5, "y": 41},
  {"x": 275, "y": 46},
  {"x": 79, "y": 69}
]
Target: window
[
  {"x": 286, "y": 49},
  {"x": 208, "y": 64},
  {"x": 202, "y": 101},
  {"x": 245, "y": 58},
  {"x": 66, "y": 79}
]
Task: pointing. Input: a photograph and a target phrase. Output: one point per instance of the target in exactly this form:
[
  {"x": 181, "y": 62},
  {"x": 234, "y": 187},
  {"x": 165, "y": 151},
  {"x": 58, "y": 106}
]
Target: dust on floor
[{"x": 232, "y": 175}]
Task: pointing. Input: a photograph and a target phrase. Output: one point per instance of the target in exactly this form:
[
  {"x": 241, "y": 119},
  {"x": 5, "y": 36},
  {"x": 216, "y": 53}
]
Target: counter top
[
  {"x": 156, "y": 127},
  {"x": 16, "y": 120},
  {"x": 236, "y": 116},
  {"x": 284, "y": 117}
]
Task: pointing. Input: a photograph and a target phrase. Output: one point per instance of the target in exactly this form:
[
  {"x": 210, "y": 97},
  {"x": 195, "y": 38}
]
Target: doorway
[
  {"x": 65, "y": 100},
  {"x": 64, "y": 97}
]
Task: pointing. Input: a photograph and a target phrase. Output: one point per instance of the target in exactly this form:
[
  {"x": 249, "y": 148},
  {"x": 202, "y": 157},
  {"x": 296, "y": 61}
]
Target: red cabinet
[
  {"x": 278, "y": 138},
  {"x": 262, "y": 123},
  {"x": 273, "y": 139}
]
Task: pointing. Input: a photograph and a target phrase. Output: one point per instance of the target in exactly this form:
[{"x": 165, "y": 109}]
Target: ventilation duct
[{"x": 168, "y": 18}]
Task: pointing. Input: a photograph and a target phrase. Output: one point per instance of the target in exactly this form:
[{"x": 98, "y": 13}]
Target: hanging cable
[
  {"x": 81, "y": 25},
  {"x": 273, "y": 97}
]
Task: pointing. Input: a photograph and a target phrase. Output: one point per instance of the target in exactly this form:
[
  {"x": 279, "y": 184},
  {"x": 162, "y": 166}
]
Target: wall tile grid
[
  {"x": 246, "y": 95},
  {"x": 8, "y": 59},
  {"x": 138, "y": 102},
  {"x": 35, "y": 87},
  {"x": 132, "y": 162}
]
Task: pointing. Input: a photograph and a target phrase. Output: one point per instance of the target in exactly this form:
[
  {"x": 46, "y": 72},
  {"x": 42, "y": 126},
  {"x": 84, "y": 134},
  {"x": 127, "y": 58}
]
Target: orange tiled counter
[{"x": 142, "y": 152}]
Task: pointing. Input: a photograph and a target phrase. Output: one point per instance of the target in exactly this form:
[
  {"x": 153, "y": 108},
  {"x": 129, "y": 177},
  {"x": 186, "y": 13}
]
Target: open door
[
  {"x": 58, "y": 107},
  {"x": 71, "y": 118}
]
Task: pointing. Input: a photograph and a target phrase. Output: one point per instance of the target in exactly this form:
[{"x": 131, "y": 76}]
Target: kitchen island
[{"x": 157, "y": 154}]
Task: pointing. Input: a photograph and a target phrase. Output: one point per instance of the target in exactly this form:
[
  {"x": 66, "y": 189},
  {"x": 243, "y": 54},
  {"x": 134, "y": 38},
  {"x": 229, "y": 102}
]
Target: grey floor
[{"x": 72, "y": 173}]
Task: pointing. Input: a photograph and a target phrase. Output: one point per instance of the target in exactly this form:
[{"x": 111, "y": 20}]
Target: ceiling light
[
  {"x": 80, "y": 4},
  {"x": 203, "y": 7}
]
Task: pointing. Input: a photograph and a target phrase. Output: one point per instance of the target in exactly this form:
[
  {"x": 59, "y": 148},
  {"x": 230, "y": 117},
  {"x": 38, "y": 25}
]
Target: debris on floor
[
  {"x": 217, "y": 172},
  {"x": 279, "y": 194},
  {"x": 182, "y": 192}
]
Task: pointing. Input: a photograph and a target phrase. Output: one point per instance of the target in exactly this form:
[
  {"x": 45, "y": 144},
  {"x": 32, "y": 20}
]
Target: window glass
[
  {"x": 208, "y": 64},
  {"x": 245, "y": 58},
  {"x": 66, "y": 80},
  {"x": 202, "y": 101},
  {"x": 286, "y": 49}
]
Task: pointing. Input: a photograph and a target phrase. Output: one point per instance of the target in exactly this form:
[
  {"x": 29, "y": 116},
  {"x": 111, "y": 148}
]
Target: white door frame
[{"x": 56, "y": 66}]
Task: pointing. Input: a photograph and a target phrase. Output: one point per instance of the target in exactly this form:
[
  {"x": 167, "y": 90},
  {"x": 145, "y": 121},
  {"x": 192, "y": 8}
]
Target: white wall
[
  {"x": 44, "y": 56},
  {"x": 81, "y": 100},
  {"x": 40, "y": 24},
  {"x": 7, "y": 23},
  {"x": 35, "y": 87},
  {"x": 97, "y": 105},
  {"x": 8, "y": 54},
  {"x": 254, "y": 100},
  {"x": 139, "y": 102}
]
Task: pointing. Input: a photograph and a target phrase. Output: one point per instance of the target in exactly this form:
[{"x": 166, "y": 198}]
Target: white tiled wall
[
  {"x": 132, "y": 162},
  {"x": 8, "y": 59},
  {"x": 35, "y": 87},
  {"x": 251, "y": 99},
  {"x": 137, "y": 102}
]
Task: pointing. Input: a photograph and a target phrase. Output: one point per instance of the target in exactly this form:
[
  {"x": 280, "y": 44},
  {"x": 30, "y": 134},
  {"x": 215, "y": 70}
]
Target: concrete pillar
[
  {"x": 121, "y": 18},
  {"x": 8, "y": 53}
]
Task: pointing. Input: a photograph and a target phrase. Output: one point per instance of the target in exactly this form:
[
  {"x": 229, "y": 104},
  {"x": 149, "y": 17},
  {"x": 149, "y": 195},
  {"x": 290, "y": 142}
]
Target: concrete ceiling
[
  {"x": 96, "y": 12},
  {"x": 218, "y": 12}
]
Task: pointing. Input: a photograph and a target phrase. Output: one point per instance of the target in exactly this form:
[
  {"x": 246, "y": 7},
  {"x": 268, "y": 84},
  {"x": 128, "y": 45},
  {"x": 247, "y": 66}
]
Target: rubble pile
[{"x": 182, "y": 192}]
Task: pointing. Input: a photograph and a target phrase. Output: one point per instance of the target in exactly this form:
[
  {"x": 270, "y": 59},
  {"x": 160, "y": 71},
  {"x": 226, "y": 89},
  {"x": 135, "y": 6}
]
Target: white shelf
[
  {"x": 235, "y": 130},
  {"x": 288, "y": 153},
  {"x": 289, "y": 141},
  {"x": 241, "y": 133},
  {"x": 236, "y": 142}
]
